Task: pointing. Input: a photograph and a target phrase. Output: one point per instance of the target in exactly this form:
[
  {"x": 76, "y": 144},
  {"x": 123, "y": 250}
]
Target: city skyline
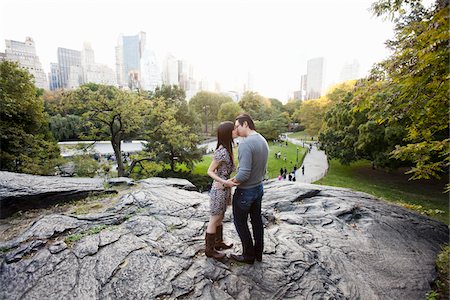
[{"x": 224, "y": 41}]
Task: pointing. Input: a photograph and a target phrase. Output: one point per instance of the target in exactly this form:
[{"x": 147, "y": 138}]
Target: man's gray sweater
[{"x": 252, "y": 155}]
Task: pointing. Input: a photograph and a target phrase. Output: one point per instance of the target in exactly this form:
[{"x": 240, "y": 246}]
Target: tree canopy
[
  {"x": 207, "y": 106},
  {"x": 398, "y": 115},
  {"x": 109, "y": 113},
  {"x": 26, "y": 143}
]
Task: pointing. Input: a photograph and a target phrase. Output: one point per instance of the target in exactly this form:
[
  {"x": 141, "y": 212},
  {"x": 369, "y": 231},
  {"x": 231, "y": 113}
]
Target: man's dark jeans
[{"x": 245, "y": 202}]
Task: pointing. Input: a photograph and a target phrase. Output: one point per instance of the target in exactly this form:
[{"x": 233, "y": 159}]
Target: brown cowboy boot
[
  {"x": 220, "y": 244},
  {"x": 209, "y": 249}
]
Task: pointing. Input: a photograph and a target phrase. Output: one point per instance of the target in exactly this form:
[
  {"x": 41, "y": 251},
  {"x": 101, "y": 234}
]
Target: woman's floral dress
[{"x": 220, "y": 197}]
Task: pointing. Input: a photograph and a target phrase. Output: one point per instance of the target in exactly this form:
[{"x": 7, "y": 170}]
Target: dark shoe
[
  {"x": 242, "y": 259},
  {"x": 220, "y": 244},
  {"x": 209, "y": 248},
  {"x": 258, "y": 257}
]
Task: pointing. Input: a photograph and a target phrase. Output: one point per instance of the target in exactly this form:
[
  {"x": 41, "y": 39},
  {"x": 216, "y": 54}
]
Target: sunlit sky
[{"x": 224, "y": 40}]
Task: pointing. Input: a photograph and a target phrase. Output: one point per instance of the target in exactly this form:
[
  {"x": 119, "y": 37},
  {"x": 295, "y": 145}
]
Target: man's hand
[{"x": 231, "y": 182}]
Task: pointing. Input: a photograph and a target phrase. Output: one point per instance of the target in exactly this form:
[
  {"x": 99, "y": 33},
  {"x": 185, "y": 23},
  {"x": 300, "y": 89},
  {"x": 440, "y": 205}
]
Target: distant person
[
  {"x": 220, "y": 194},
  {"x": 303, "y": 170},
  {"x": 253, "y": 153},
  {"x": 290, "y": 177},
  {"x": 281, "y": 171}
]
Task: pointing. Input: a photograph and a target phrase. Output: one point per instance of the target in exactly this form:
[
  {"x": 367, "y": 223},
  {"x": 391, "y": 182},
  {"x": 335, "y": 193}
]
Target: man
[{"x": 252, "y": 156}]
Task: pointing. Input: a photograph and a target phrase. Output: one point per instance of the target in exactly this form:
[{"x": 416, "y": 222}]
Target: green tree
[
  {"x": 271, "y": 129},
  {"x": 168, "y": 141},
  {"x": 207, "y": 105},
  {"x": 416, "y": 76},
  {"x": 27, "y": 146},
  {"x": 255, "y": 105},
  {"x": 174, "y": 96},
  {"x": 229, "y": 111},
  {"x": 351, "y": 131},
  {"x": 111, "y": 114},
  {"x": 66, "y": 128},
  {"x": 311, "y": 114},
  {"x": 291, "y": 106},
  {"x": 276, "y": 104},
  {"x": 340, "y": 131},
  {"x": 53, "y": 102}
]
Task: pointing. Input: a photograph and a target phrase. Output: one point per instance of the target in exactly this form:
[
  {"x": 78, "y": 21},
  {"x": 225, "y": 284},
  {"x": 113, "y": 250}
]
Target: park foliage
[
  {"x": 395, "y": 117},
  {"x": 398, "y": 115}
]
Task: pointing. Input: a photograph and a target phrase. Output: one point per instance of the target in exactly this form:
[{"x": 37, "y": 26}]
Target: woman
[{"x": 220, "y": 195}]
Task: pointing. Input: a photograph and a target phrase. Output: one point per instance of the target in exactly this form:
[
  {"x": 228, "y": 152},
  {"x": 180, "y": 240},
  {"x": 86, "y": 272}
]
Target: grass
[
  {"x": 274, "y": 164},
  {"x": 301, "y": 135},
  {"x": 425, "y": 196},
  {"x": 441, "y": 285},
  {"x": 71, "y": 239}
]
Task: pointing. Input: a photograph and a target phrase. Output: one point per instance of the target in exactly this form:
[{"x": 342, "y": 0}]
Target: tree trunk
[
  {"x": 115, "y": 142},
  {"x": 134, "y": 163},
  {"x": 172, "y": 161}
]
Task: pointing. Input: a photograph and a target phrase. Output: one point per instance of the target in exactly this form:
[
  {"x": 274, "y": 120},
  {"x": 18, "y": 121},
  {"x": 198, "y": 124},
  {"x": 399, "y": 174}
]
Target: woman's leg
[
  {"x": 210, "y": 237},
  {"x": 214, "y": 221}
]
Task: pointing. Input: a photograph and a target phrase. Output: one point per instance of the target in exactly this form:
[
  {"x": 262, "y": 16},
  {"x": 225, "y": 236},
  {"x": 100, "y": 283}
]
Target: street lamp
[{"x": 297, "y": 154}]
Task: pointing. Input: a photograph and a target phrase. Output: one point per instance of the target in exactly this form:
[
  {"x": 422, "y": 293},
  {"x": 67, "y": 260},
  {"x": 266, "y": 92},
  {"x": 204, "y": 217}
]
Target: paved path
[{"x": 315, "y": 162}]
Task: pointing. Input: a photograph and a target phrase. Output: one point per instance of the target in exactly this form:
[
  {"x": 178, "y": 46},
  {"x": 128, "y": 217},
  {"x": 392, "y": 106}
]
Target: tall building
[
  {"x": 298, "y": 95},
  {"x": 70, "y": 71},
  {"x": 25, "y": 54},
  {"x": 315, "y": 77},
  {"x": 129, "y": 51},
  {"x": 87, "y": 55},
  {"x": 93, "y": 72},
  {"x": 170, "y": 70},
  {"x": 53, "y": 77},
  {"x": 301, "y": 93},
  {"x": 150, "y": 73},
  {"x": 350, "y": 71}
]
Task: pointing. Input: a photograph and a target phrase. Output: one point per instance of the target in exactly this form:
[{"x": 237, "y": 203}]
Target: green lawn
[
  {"x": 425, "y": 196},
  {"x": 274, "y": 164},
  {"x": 301, "y": 135}
]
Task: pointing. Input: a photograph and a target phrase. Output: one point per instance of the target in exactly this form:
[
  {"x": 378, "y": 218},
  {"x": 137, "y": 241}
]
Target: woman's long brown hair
[{"x": 225, "y": 137}]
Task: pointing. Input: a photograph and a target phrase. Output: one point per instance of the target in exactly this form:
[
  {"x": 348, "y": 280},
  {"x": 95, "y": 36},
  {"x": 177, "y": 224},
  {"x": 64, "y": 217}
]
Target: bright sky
[{"x": 224, "y": 40}]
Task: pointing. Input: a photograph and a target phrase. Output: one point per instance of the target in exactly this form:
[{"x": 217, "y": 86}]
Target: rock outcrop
[
  {"x": 320, "y": 243},
  {"x": 22, "y": 191}
]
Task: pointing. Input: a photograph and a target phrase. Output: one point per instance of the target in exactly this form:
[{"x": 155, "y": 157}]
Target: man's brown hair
[{"x": 245, "y": 117}]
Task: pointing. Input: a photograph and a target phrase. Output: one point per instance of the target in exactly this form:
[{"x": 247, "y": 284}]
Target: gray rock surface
[
  {"x": 320, "y": 243},
  {"x": 22, "y": 191},
  {"x": 120, "y": 181}
]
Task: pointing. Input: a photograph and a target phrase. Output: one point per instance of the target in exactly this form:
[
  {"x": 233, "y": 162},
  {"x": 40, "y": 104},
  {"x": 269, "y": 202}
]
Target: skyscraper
[
  {"x": 315, "y": 77},
  {"x": 53, "y": 77},
  {"x": 350, "y": 71},
  {"x": 150, "y": 74},
  {"x": 129, "y": 51},
  {"x": 70, "y": 73},
  {"x": 25, "y": 54},
  {"x": 170, "y": 70},
  {"x": 93, "y": 72},
  {"x": 303, "y": 86}
]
